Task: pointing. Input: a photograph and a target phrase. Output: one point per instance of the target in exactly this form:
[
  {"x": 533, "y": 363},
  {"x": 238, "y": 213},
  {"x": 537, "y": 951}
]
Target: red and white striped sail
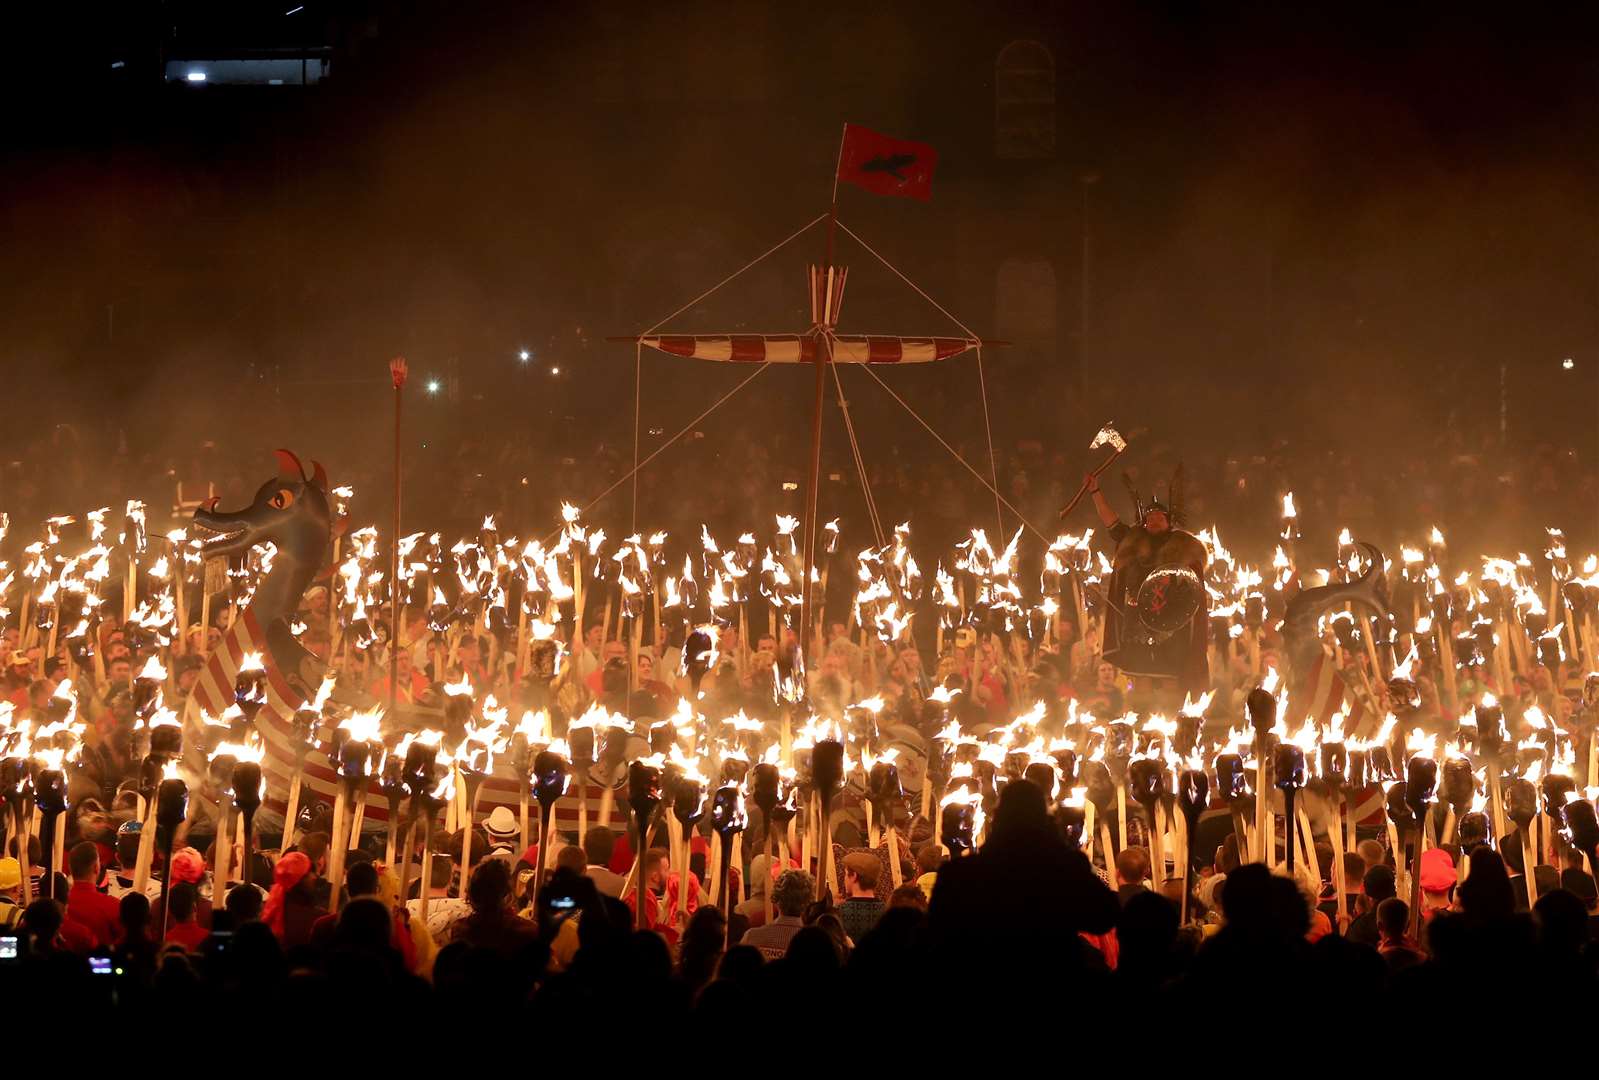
[{"x": 801, "y": 348}]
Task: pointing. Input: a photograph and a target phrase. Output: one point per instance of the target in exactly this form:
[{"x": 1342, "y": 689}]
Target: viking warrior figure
[{"x": 1155, "y": 603}]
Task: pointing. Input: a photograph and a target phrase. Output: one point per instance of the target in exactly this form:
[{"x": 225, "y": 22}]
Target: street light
[
  {"x": 433, "y": 386},
  {"x": 524, "y": 356}
]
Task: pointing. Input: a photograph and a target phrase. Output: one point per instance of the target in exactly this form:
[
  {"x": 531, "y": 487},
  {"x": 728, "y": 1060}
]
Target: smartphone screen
[{"x": 8, "y": 947}]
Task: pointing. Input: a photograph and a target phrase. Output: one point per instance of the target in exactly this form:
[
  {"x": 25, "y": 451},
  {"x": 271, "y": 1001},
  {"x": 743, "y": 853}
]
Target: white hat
[{"x": 501, "y": 822}]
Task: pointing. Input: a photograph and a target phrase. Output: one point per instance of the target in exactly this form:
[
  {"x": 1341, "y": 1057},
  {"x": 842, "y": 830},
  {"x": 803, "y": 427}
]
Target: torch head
[
  {"x": 643, "y": 790},
  {"x": 146, "y": 696},
  {"x": 580, "y": 741},
  {"x": 392, "y": 781},
  {"x": 1193, "y": 792},
  {"x": 1356, "y": 777},
  {"x": 1101, "y": 788},
  {"x": 1041, "y": 775},
  {"x": 1421, "y": 784},
  {"x": 1521, "y": 801},
  {"x": 955, "y": 827},
  {"x": 698, "y": 651},
  {"x": 1262, "y": 709},
  {"x": 765, "y": 787},
  {"x": 417, "y": 770},
  {"x": 541, "y": 659},
  {"x": 1071, "y": 820},
  {"x": 1406, "y": 695},
  {"x": 734, "y": 770},
  {"x": 613, "y": 748},
  {"x": 1583, "y": 825},
  {"x": 171, "y": 803},
  {"x": 1119, "y": 744},
  {"x": 247, "y": 786},
  {"x": 1231, "y": 778},
  {"x": 1398, "y": 806},
  {"x": 1380, "y": 765},
  {"x": 1288, "y": 766},
  {"x": 166, "y": 740},
  {"x": 882, "y": 784},
  {"x": 457, "y": 709},
  {"x": 1186, "y": 739},
  {"x": 1066, "y": 766},
  {"x": 688, "y": 800},
  {"x": 150, "y": 769},
  {"x": 1146, "y": 781},
  {"x": 50, "y": 790},
  {"x": 1334, "y": 763},
  {"x": 550, "y": 777},
  {"x": 1555, "y": 789},
  {"x": 1472, "y": 830},
  {"x": 220, "y": 770},
  {"x": 827, "y": 765},
  {"x": 1459, "y": 786},
  {"x": 354, "y": 758},
  {"x": 727, "y": 810}
]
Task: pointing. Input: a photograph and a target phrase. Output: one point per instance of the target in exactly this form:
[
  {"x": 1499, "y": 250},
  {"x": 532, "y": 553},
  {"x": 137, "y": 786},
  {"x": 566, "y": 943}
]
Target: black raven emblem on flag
[{"x": 891, "y": 164}]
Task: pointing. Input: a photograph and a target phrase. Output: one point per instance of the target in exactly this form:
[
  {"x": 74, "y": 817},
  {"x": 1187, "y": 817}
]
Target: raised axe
[{"x": 1108, "y": 436}]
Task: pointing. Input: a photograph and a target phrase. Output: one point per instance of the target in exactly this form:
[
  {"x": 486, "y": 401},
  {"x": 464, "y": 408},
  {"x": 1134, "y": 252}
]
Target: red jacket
[
  {"x": 188, "y": 934},
  {"x": 95, "y": 912}
]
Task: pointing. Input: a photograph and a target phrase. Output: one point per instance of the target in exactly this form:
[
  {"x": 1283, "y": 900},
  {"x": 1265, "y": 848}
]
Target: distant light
[
  {"x": 293, "y": 11},
  {"x": 1568, "y": 363},
  {"x": 524, "y": 356},
  {"x": 433, "y": 386},
  {"x": 196, "y": 76},
  {"x": 116, "y": 64},
  {"x": 555, "y": 371}
]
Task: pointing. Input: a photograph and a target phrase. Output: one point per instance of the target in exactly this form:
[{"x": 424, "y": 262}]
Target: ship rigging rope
[
  {"x": 982, "y": 382},
  {"x": 855, "y": 451},
  {"x": 638, "y": 366}
]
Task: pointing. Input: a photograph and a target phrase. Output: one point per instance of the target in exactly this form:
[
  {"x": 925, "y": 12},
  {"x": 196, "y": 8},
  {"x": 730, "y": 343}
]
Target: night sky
[{"x": 1338, "y": 220}]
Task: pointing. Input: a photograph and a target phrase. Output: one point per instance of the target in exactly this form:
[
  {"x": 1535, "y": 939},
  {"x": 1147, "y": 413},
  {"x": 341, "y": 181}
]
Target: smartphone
[
  {"x": 10, "y": 948},
  {"x": 563, "y": 903},
  {"x": 219, "y": 942},
  {"x": 99, "y": 965}
]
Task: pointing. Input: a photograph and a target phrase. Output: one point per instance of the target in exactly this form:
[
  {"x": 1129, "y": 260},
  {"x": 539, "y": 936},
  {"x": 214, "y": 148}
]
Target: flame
[
  {"x": 252, "y": 750},
  {"x": 1419, "y": 744},
  {"x": 1403, "y": 668},
  {"x": 363, "y": 725}
]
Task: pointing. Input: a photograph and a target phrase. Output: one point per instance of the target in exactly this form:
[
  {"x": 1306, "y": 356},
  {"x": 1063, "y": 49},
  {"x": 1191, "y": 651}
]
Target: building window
[{"x": 1024, "y": 101}]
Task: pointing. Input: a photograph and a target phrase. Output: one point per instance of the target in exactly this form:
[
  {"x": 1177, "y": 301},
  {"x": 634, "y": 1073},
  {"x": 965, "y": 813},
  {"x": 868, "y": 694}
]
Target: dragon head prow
[{"x": 290, "y": 510}]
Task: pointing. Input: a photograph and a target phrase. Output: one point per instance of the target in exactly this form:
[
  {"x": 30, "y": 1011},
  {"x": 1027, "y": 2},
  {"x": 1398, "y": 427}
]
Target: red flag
[{"x": 885, "y": 165}]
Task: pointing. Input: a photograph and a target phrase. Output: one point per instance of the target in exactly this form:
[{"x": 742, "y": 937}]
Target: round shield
[{"x": 1168, "y": 598}]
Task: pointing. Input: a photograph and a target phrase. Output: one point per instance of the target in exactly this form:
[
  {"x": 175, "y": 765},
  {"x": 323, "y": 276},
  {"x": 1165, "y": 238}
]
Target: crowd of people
[
  {"x": 1027, "y": 922},
  {"x": 1032, "y": 919},
  {"x": 1024, "y": 929}
]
